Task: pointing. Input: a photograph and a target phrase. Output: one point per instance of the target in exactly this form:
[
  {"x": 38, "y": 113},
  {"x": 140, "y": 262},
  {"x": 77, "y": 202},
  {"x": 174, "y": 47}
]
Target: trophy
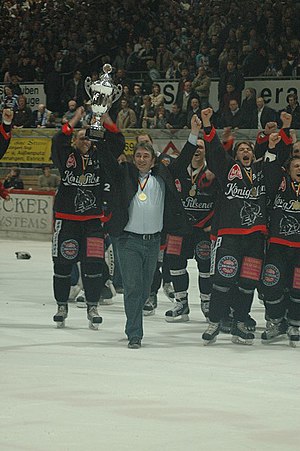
[{"x": 102, "y": 93}]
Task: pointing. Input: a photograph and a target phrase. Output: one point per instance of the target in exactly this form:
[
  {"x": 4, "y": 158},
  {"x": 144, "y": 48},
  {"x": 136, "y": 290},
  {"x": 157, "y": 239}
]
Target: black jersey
[
  {"x": 197, "y": 190},
  {"x": 85, "y": 185},
  {"x": 242, "y": 202}
]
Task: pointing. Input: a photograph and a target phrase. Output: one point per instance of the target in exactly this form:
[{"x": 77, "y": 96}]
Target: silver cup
[{"x": 102, "y": 93}]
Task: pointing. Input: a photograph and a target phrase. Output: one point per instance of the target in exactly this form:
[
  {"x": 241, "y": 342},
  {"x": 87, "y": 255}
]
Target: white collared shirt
[{"x": 147, "y": 216}]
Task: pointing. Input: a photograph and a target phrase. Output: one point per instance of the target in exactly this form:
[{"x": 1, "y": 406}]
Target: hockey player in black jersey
[
  {"x": 197, "y": 188},
  {"x": 281, "y": 273},
  {"x": 82, "y": 205},
  {"x": 239, "y": 249}
]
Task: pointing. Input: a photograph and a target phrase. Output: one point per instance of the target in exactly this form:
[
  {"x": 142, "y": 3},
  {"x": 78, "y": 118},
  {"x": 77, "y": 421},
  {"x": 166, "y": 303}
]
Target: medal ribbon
[
  {"x": 85, "y": 162},
  {"x": 142, "y": 186},
  {"x": 249, "y": 174},
  {"x": 194, "y": 174}
]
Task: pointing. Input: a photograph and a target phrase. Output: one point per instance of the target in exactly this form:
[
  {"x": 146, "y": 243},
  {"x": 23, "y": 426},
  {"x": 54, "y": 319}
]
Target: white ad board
[{"x": 27, "y": 213}]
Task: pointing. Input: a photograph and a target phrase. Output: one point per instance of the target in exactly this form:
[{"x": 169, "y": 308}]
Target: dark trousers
[
  {"x": 138, "y": 256},
  {"x": 281, "y": 283},
  {"x": 78, "y": 241},
  {"x": 236, "y": 262},
  {"x": 179, "y": 250}
]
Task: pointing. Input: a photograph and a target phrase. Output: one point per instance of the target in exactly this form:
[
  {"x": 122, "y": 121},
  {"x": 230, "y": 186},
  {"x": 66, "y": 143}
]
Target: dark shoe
[{"x": 135, "y": 343}]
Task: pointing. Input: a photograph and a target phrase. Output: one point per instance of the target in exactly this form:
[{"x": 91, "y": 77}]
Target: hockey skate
[
  {"x": 293, "y": 334},
  {"x": 240, "y": 334},
  {"x": 274, "y": 331},
  {"x": 211, "y": 333},
  {"x": 179, "y": 313},
  {"x": 61, "y": 315},
  {"x": 150, "y": 305},
  {"x": 169, "y": 291},
  {"x": 93, "y": 316},
  {"x": 80, "y": 300},
  {"x": 107, "y": 293}
]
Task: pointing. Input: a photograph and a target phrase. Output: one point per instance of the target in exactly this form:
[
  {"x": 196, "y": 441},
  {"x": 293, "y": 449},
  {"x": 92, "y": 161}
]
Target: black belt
[{"x": 143, "y": 236}]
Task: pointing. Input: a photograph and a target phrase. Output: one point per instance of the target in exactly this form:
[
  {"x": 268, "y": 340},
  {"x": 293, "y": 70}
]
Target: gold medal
[
  {"x": 142, "y": 196},
  {"x": 82, "y": 179},
  {"x": 253, "y": 191},
  {"x": 192, "y": 192},
  {"x": 296, "y": 205}
]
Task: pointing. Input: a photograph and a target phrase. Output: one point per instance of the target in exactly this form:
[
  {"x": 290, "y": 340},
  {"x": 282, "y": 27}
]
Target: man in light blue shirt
[{"x": 149, "y": 201}]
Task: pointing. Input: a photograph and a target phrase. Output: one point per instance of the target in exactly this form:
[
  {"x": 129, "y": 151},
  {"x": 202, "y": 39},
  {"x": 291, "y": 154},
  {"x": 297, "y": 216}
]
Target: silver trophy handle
[
  {"x": 87, "y": 86},
  {"x": 117, "y": 92}
]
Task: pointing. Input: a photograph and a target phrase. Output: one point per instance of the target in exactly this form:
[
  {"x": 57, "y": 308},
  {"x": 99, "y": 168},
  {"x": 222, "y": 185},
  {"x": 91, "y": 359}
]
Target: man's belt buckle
[{"x": 147, "y": 236}]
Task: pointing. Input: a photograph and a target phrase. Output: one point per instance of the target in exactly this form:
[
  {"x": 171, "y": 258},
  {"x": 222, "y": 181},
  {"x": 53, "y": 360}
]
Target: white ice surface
[{"x": 77, "y": 389}]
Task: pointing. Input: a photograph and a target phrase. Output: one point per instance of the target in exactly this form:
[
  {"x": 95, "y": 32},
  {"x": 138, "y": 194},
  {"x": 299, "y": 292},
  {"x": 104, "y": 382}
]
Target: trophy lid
[{"x": 107, "y": 68}]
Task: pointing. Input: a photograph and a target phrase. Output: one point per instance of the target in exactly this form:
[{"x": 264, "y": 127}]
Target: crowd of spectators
[{"x": 193, "y": 41}]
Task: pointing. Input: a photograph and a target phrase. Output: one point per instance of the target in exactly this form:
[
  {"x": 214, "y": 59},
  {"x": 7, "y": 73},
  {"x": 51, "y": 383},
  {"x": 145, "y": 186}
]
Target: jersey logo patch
[
  {"x": 71, "y": 161},
  {"x": 249, "y": 213},
  {"x": 235, "y": 172},
  {"x": 271, "y": 275},
  {"x": 228, "y": 266}
]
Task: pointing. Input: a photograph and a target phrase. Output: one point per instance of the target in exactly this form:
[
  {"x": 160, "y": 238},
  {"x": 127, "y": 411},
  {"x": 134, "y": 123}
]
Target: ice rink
[{"x": 77, "y": 389}]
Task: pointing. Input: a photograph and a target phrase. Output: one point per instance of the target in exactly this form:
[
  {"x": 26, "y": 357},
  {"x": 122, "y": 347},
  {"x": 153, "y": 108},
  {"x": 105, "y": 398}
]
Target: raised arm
[
  {"x": 216, "y": 156},
  {"x": 190, "y": 146}
]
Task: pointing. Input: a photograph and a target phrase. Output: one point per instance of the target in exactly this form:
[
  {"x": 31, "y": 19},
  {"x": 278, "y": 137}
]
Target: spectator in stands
[
  {"x": 147, "y": 113},
  {"x": 9, "y": 99},
  {"x": 161, "y": 117},
  {"x": 173, "y": 71},
  {"x": 72, "y": 106},
  {"x": 53, "y": 90},
  {"x": 23, "y": 115},
  {"x": 231, "y": 75},
  {"x": 176, "y": 118},
  {"x": 262, "y": 115},
  {"x": 163, "y": 58},
  {"x": 271, "y": 69},
  {"x": 184, "y": 97},
  {"x": 293, "y": 108},
  {"x": 184, "y": 76},
  {"x": 195, "y": 109},
  {"x": 127, "y": 95},
  {"x": 231, "y": 94},
  {"x": 233, "y": 117},
  {"x": 74, "y": 89},
  {"x": 157, "y": 98},
  {"x": 201, "y": 85},
  {"x": 137, "y": 99},
  {"x": 41, "y": 116},
  {"x": 48, "y": 181},
  {"x": 13, "y": 179},
  {"x": 26, "y": 71},
  {"x": 14, "y": 85},
  {"x": 126, "y": 117},
  {"x": 248, "y": 107}
]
